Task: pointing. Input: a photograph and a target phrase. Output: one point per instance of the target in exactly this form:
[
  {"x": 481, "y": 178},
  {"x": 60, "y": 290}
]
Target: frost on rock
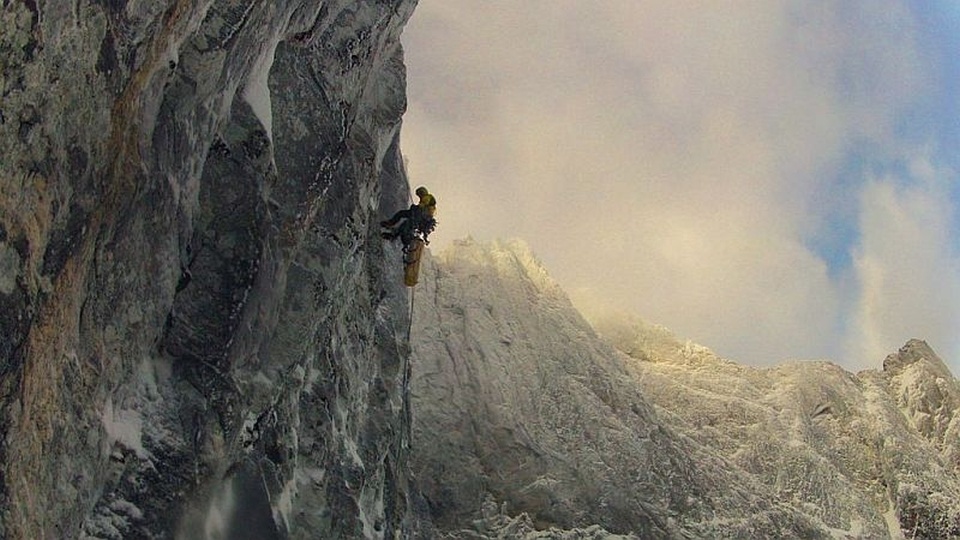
[
  {"x": 124, "y": 427},
  {"x": 927, "y": 394},
  {"x": 643, "y": 433},
  {"x": 865, "y": 455},
  {"x": 513, "y": 392},
  {"x": 496, "y": 524}
]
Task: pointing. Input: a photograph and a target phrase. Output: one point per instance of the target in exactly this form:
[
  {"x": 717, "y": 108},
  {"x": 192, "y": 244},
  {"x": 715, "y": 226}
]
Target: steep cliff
[
  {"x": 517, "y": 400},
  {"x": 194, "y": 339},
  {"x": 203, "y": 336}
]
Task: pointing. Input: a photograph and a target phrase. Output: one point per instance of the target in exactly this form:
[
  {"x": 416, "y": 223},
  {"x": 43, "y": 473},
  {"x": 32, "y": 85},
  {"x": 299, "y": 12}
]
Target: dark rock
[{"x": 190, "y": 317}]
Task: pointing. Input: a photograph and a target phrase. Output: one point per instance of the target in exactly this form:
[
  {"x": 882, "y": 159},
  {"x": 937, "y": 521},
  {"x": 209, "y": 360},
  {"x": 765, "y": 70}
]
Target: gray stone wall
[{"x": 198, "y": 321}]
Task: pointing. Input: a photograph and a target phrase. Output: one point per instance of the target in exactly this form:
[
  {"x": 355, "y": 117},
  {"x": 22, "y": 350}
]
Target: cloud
[
  {"x": 676, "y": 159},
  {"x": 907, "y": 266}
]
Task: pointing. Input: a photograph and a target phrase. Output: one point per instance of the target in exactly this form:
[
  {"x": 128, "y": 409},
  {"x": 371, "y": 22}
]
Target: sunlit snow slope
[{"x": 517, "y": 400}]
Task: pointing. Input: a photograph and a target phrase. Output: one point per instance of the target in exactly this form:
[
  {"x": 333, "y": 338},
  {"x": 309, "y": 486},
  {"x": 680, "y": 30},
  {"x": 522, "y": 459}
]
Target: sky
[{"x": 774, "y": 179}]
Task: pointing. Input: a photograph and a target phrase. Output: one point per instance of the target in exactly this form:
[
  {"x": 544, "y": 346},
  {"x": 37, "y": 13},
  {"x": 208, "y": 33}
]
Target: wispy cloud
[
  {"x": 907, "y": 266},
  {"x": 678, "y": 159}
]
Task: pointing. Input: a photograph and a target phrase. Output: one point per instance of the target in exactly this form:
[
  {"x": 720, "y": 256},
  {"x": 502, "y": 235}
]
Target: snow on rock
[
  {"x": 517, "y": 399},
  {"x": 496, "y": 524},
  {"x": 203, "y": 335},
  {"x": 927, "y": 394},
  {"x": 515, "y": 396},
  {"x": 124, "y": 427},
  {"x": 257, "y": 93},
  {"x": 860, "y": 453}
]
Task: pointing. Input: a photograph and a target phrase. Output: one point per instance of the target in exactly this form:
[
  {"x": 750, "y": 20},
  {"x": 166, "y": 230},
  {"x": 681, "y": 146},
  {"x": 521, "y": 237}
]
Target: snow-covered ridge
[
  {"x": 928, "y": 395},
  {"x": 512, "y": 259},
  {"x": 517, "y": 399}
]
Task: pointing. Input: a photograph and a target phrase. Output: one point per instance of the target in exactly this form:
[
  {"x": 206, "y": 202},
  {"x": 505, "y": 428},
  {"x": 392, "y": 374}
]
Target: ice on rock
[{"x": 124, "y": 427}]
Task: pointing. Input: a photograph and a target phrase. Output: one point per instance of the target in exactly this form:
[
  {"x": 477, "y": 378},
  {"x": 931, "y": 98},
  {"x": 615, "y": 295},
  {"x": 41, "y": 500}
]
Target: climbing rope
[
  {"x": 413, "y": 292},
  {"x": 405, "y": 384}
]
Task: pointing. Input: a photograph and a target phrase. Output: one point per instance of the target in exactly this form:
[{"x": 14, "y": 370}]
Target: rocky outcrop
[
  {"x": 194, "y": 339},
  {"x": 928, "y": 395},
  {"x": 926, "y": 485},
  {"x": 517, "y": 400}
]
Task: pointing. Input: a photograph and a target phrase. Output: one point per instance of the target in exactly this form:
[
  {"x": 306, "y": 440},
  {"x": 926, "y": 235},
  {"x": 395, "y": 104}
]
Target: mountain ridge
[{"x": 802, "y": 449}]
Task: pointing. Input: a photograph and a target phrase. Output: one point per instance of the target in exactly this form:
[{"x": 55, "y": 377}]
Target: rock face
[
  {"x": 862, "y": 454},
  {"x": 203, "y": 336},
  {"x": 198, "y": 322},
  {"x": 517, "y": 400},
  {"x": 507, "y": 389}
]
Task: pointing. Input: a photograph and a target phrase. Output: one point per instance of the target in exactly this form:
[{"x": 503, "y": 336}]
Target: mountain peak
[
  {"x": 916, "y": 352},
  {"x": 927, "y": 394}
]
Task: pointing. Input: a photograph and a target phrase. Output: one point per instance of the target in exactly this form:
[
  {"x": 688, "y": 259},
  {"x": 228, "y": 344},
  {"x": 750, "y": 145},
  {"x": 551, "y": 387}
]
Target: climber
[{"x": 417, "y": 218}]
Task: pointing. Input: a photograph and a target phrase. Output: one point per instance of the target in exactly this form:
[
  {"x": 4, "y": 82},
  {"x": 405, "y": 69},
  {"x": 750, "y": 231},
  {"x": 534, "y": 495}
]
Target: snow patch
[
  {"x": 284, "y": 505},
  {"x": 893, "y": 523},
  {"x": 146, "y": 375},
  {"x": 299, "y": 374},
  {"x": 313, "y": 375},
  {"x": 248, "y": 432},
  {"x": 216, "y": 525},
  {"x": 256, "y": 92},
  {"x": 124, "y": 427},
  {"x": 370, "y": 519}
]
